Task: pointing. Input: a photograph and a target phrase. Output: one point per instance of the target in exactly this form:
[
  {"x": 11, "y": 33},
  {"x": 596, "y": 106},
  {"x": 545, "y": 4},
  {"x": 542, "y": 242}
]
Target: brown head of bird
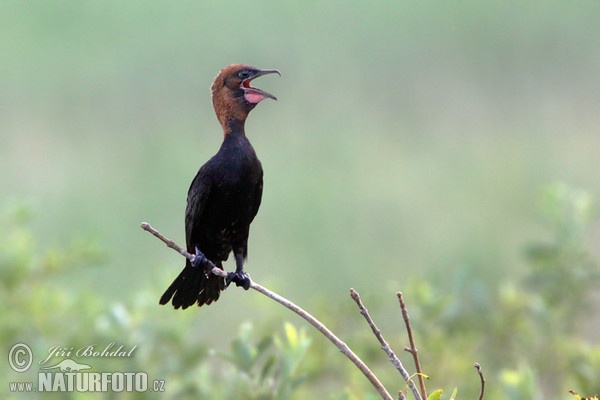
[{"x": 232, "y": 95}]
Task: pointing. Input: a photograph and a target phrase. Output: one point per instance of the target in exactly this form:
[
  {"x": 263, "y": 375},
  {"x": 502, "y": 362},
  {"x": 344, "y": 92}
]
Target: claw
[
  {"x": 200, "y": 261},
  {"x": 239, "y": 278}
]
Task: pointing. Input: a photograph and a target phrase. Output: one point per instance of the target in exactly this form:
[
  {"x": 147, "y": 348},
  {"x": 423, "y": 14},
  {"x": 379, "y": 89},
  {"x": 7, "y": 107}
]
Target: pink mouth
[{"x": 254, "y": 95}]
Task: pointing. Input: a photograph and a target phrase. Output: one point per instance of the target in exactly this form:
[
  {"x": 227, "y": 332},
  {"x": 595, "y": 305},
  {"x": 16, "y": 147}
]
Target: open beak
[{"x": 255, "y": 95}]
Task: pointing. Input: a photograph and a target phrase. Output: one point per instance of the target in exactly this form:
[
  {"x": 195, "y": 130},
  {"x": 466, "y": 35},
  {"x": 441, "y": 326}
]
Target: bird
[{"x": 225, "y": 195}]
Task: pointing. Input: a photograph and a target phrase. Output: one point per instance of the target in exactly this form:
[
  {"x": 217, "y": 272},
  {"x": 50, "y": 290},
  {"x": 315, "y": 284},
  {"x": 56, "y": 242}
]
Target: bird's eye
[{"x": 244, "y": 74}]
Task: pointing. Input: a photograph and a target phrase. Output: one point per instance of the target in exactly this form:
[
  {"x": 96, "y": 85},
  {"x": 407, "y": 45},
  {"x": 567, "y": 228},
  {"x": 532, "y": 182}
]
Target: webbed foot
[
  {"x": 200, "y": 261},
  {"x": 239, "y": 278}
]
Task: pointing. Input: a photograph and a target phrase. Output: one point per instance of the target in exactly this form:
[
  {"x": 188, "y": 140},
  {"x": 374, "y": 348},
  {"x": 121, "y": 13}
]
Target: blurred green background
[{"x": 409, "y": 150}]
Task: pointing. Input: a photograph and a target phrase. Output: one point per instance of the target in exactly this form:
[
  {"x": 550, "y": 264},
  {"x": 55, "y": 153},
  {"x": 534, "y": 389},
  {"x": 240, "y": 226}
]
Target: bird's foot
[
  {"x": 240, "y": 278},
  {"x": 200, "y": 261}
]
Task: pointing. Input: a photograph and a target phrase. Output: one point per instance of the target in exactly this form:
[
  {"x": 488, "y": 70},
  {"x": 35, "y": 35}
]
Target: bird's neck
[
  {"x": 234, "y": 128},
  {"x": 234, "y": 137}
]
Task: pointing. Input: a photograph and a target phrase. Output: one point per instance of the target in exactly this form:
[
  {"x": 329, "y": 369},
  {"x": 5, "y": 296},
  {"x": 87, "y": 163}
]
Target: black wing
[
  {"x": 192, "y": 285},
  {"x": 257, "y": 197},
  {"x": 196, "y": 203}
]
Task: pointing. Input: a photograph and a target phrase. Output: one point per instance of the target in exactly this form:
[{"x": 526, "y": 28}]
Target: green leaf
[
  {"x": 454, "y": 393},
  {"x": 243, "y": 354},
  {"x": 291, "y": 335},
  {"x": 436, "y": 395}
]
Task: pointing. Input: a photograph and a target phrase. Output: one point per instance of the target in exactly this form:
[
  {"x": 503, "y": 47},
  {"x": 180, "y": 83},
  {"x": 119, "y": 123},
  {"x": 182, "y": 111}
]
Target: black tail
[{"x": 193, "y": 285}]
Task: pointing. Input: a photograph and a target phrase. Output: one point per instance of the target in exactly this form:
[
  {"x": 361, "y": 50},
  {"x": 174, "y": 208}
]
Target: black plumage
[{"x": 225, "y": 195}]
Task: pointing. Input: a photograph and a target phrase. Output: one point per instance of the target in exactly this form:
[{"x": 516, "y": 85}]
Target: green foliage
[
  {"x": 563, "y": 271},
  {"x": 436, "y": 395},
  {"x": 268, "y": 369},
  {"x": 518, "y": 383},
  {"x": 29, "y": 294},
  {"x": 40, "y": 314},
  {"x": 527, "y": 334}
]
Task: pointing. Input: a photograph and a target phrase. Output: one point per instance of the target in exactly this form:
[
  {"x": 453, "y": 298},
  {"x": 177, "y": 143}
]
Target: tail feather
[{"x": 191, "y": 286}]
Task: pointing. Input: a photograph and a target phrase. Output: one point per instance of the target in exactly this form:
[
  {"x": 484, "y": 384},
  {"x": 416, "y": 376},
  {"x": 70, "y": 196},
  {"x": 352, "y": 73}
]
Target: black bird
[{"x": 225, "y": 195}]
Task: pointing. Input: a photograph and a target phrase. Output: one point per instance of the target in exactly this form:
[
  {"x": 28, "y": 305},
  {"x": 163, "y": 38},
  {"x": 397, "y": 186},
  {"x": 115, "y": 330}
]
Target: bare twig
[
  {"x": 478, "y": 368},
  {"x": 343, "y": 347},
  {"x": 413, "y": 349},
  {"x": 384, "y": 345},
  {"x": 172, "y": 245}
]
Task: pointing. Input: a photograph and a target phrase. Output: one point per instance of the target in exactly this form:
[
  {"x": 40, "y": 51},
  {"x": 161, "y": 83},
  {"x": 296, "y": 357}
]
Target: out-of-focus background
[{"x": 447, "y": 150}]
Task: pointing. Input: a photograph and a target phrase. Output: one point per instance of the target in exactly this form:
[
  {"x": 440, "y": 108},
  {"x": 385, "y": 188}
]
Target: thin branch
[
  {"x": 172, "y": 245},
  {"x": 478, "y": 368},
  {"x": 384, "y": 345},
  {"x": 343, "y": 347},
  {"x": 413, "y": 349}
]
